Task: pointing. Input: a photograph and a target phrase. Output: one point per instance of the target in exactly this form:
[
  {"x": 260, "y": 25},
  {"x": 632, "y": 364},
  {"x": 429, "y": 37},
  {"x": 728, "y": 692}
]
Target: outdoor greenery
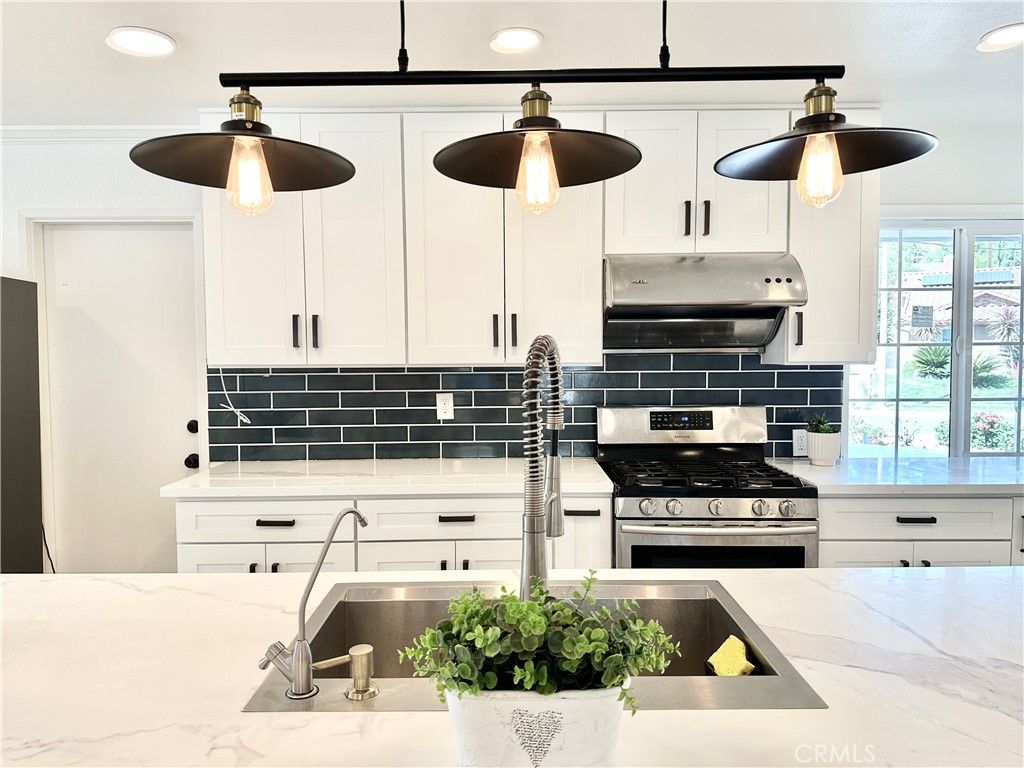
[
  {"x": 934, "y": 363},
  {"x": 989, "y": 431},
  {"x": 544, "y": 644}
]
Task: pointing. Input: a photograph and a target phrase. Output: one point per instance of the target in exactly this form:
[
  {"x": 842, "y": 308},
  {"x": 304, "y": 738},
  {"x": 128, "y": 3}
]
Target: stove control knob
[
  {"x": 761, "y": 508},
  {"x": 647, "y": 507},
  {"x": 787, "y": 508},
  {"x": 674, "y": 507},
  {"x": 715, "y": 506}
]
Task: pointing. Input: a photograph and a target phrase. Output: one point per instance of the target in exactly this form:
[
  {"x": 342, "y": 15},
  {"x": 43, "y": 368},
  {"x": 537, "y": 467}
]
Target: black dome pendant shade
[
  {"x": 203, "y": 158},
  {"x": 580, "y": 157},
  {"x": 861, "y": 148}
]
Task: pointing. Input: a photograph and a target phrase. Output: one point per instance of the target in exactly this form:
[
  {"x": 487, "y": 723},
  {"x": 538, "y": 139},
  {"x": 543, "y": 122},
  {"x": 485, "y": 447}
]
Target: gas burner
[{"x": 648, "y": 481}]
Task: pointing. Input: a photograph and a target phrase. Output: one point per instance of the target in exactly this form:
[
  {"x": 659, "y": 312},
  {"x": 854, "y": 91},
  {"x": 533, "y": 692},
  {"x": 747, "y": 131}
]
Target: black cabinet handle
[
  {"x": 515, "y": 330},
  {"x": 465, "y": 564},
  {"x": 295, "y": 331},
  {"x": 916, "y": 520},
  {"x": 275, "y": 523},
  {"x": 456, "y": 518},
  {"x": 687, "y": 212},
  {"x": 444, "y": 565},
  {"x": 707, "y": 218},
  {"x": 274, "y": 567},
  {"x": 192, "y": 461},
  {"x": 494, "y": 329},
  {"x": 252, "y": 567},
  {"x": 905, "y": 563},
  {"x": 583, "y": 513},
  {"x": 799, "y": 329},
  {"x": 192, "y": 426},
  {"x": 316, "y": 331},
  {"x": 1022, "y": 535},
  {"x": 926, "y": 563}
]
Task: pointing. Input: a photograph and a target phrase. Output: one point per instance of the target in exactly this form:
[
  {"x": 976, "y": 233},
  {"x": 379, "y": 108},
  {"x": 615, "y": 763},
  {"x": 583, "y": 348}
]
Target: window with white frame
[{"x": 947, "y": 377}]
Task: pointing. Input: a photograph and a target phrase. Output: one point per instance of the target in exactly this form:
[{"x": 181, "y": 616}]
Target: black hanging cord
[
  {"x": 664, "y": 55},
  {"x": 403, "y": 55}
]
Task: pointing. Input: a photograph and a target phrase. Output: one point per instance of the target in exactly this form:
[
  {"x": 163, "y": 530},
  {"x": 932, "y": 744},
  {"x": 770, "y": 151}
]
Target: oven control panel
[{"x": 681, "y": 420}]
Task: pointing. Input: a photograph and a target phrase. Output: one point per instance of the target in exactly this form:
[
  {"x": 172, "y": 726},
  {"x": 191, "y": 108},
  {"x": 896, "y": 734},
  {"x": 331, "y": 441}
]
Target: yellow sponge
[{"x": 730, "y": 660}]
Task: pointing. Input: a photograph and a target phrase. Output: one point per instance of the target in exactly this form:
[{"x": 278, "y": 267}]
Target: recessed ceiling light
[
  {"x": 139, "y": 41},
  {"x": 1001, "y": 38},
  {"x": 515, "y": 40}
]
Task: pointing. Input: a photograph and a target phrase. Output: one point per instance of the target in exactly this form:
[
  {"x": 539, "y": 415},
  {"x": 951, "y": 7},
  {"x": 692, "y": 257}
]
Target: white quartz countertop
[
  {"x": 379, "y": 477},
  {"x": 919, "y": 667},
  {"x": 988, "y": 475}
]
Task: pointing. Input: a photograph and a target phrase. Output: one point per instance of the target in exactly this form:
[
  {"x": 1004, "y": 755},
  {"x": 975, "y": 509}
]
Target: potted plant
[
  {"x": 539, "y": 681},
  {"x": 824, "y": 441}
]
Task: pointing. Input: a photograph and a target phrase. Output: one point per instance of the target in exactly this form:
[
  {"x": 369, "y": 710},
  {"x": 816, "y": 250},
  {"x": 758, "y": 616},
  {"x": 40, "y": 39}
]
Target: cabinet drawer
[
  {"x": 260, "y": 521},
  {"x": 432, "y": 519},
  {"x": 221, "y": 558},
  {"x": 903, "y": 518}
]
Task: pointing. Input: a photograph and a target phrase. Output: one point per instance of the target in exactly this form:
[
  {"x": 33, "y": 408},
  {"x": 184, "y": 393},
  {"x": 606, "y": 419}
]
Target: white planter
[
  {"x": 522, "y": 728},
  {"x": 823, "y": 448}
]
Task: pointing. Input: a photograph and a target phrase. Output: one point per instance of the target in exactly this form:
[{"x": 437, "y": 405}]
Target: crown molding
[{"x": 87, "y": 134}]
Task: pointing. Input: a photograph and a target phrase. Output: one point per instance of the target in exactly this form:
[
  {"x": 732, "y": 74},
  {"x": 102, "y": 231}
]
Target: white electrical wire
[{"x": 229, "y": 405}]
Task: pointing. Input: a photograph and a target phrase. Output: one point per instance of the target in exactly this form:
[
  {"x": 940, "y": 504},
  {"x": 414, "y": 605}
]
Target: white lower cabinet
[
  {"x": 263, "y": 558},
  {"x": 587, "y": 542},
  {"x": 439, "y": 555},
  {"x": 1017, "y": 541},
  {"x": 300, "y": 558},
  {"x": 896, "y": 554}
]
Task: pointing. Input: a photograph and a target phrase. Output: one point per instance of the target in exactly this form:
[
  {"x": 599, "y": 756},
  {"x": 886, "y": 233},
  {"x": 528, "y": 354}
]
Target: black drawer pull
[
  {"x": 465, "y": 564},
  {"x": 905, "y": 563},
  {"x": 515, "y": 330},
  {"x": 917, "y": 520},
  {"x": 275, "y": 523},
  {"x": 494, "y": 328},
  {"x": 252, "y": 567},
  {"x": 799, "y": 329},
  {"x": 274, "y": 567},
  {"x": 926, "y": 563},
  {"x": 707, "y": 218},
  {"x": 316, "y": 331},
  {"x": 1022, "y": 536},
  {"x": 687, "y": 206},
  {"x": 583, "y": 513},
  {"x": 444, "y": 565},
  {"x": 295, "y": 331},
  {"x": 456, "y": 518}
]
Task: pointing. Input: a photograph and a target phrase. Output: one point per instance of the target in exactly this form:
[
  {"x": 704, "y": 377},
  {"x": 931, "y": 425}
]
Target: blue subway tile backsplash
[{"x": 330, "y": 413}]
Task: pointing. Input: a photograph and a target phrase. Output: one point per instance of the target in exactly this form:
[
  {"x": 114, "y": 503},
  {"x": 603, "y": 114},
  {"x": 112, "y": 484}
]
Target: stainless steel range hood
[{"x": 712, "y": 302}]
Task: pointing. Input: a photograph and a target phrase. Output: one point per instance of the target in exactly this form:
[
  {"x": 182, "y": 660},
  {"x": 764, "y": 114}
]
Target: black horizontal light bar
[{"x": 513, "y": 76}]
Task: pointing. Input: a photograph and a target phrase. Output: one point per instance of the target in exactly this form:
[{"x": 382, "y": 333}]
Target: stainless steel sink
[{"x": 698, "y": 614}]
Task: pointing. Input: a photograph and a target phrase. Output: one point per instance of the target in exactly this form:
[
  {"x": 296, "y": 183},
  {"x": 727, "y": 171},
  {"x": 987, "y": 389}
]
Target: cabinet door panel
[
  {"x": 645, "y": 208},
  {"x": 865, "y": 554},
  {"x": 300, "y": 558},
  {"x": 490, "y": 555},
  {"x": 407, "y": 556},
  {"x": 741, "y": 215},
  {"x": 355, "y": 258},
  {"x": 254, "y": 273},
  {"x": 455, "y": 250},
  {"x": 587, "y": 542},
  {"x": 221, "y": 558},
  {"x": 955, "y": 519},
  {"x": 961, "y": 553},
  {"x": 553, "y": 267}
]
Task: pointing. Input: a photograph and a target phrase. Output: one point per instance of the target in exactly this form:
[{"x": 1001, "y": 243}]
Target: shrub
[
  {"x": 931, "y": 362},
  {"x": 987, "y": 374},
  {"x": 990, "y": 431}
]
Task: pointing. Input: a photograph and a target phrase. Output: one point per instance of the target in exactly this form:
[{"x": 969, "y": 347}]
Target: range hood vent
[{"x": 712, "y": 302}]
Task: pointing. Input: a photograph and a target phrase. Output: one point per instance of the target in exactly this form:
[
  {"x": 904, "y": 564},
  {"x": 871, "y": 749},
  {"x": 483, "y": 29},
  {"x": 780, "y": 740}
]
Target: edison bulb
[
  {"x": 820, "y": 179},
  {"x": 249, "y": 190},
  {"x": 537, "y": 182}
]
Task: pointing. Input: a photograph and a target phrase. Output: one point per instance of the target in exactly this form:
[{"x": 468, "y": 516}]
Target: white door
[
  {"x": 300, "y": 558},
  {"x": 553, "y": 267},
  {"x": 407, "y": 556},
  {"x": 491, "y": 555},
  {"x": 866, "y": 554},
  {"x": 354, "y": 247},
  {"x": 961, "y": 553},
  {"x": 735, "y": 215},
  {"x": 120, "y": 303},
  {"x": 587, "y": 542},
  {"x": 454, "y": 247},
  {"x": 652, "y": 209},
  {"x": 255, "y": 292},
  {"x": 221, "y": 558}
]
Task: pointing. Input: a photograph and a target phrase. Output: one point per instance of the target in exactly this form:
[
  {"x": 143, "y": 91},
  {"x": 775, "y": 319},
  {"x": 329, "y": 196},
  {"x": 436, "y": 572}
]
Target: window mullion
[{"x": 962, "y": 341}]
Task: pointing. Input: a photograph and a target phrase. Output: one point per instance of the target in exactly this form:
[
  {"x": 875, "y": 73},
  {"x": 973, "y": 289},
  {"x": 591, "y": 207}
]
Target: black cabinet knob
[
  {"x": 192, "y": 426},
  {"x": 192, "y": 461}
]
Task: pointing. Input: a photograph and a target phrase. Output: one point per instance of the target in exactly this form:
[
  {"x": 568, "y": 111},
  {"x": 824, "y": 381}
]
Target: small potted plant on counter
[
  {"x": 539, "y": 681},
  {"x": 824, "y": 441}
]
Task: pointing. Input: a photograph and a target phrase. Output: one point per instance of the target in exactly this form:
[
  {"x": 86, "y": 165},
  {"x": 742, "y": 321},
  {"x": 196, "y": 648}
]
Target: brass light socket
[
  {"x": 244, "y": 106},
  {"x": 820, "y": 100},
  {"x": 535, "y": 103}
]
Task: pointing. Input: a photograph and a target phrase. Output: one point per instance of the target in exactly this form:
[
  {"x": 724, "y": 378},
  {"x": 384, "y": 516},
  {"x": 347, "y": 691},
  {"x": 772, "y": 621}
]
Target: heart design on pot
[{"x": 535, "y": 732}]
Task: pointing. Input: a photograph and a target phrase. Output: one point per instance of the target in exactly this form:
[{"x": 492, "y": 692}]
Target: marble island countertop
[{"x": 920, "y": 667}]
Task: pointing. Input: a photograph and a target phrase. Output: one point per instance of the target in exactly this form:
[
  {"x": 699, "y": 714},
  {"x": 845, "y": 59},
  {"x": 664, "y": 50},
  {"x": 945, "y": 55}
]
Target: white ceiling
[{"x": 917, "y": 59}]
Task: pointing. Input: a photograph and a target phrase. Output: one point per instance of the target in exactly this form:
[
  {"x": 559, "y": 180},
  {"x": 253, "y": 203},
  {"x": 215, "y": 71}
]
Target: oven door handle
[{"x": 679, "y": 530}]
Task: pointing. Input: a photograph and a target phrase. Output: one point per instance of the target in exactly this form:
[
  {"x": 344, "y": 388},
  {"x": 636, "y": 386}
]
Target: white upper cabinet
[
  {"x": 553, "y": 266},
  {"x": 837, "y": 247},
  {"x": 355, "y": 257},
  {"x": 674, "y": 202},
  {"x": 454, "y": 242},
  {"x": 255, "y": 294}
]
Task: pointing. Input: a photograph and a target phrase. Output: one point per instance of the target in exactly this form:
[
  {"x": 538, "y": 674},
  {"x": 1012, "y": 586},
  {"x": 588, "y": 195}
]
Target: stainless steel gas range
[{"x": 692, "y": 489}]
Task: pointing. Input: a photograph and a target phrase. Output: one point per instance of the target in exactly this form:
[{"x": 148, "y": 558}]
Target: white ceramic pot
[
  {"x": 823, "y": 448},
  {"x": 522, "y": 728}
]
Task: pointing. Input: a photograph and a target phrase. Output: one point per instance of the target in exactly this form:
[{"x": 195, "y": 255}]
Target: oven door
[{"x": 681, "y": 545}]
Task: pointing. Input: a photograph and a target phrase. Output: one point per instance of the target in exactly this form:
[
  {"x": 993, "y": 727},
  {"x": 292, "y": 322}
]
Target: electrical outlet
[
  {"x": 445, "y": 406},
  {"x": 799, "y": 442}
]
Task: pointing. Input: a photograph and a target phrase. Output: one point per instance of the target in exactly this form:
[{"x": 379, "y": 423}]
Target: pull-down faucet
[
  {"x": 543, "y": 516},
  {"x": 297, "y": 664}
]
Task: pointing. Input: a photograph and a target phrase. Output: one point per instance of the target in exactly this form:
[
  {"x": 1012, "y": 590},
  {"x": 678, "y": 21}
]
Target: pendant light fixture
[
  {"x": 244, "y": 158},
  {"x": 537, "y": 157},
  {"x": 821, "y": 148}
]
